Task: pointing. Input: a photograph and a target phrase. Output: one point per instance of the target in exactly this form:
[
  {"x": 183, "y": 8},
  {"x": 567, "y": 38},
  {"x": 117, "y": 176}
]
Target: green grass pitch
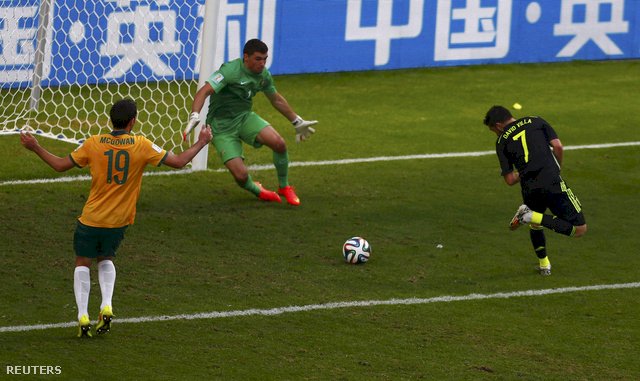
[{"x": 201, "y": 244}]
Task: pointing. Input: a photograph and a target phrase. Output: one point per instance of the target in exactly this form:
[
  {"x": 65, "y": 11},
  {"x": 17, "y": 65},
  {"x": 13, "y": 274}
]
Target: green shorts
[
  {"x": 228, "y": 134},
  {"x": 92, "y": 242}
]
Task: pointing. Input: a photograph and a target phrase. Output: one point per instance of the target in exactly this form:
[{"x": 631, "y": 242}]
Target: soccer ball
[{"x": 356, "y": 250}]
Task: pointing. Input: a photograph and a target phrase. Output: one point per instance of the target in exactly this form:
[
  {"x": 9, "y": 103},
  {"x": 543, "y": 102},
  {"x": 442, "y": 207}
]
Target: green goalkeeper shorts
[
  {"x": 228, "y": 134},
  {"x": 92, "y": 242}
]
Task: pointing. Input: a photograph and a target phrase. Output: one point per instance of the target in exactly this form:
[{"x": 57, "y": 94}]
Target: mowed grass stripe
[
  {"x": 335, "y": 305},
  {"x": 262, "y": 167}
]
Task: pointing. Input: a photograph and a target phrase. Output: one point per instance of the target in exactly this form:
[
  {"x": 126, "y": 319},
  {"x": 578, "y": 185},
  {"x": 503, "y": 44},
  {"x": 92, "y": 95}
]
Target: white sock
[
  {"x": 81, "y": 287},
  {"x": 107, "y": 278}
]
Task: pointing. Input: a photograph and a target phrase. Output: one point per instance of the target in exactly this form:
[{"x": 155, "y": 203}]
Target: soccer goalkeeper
[
  {"x": 116, "y": 161},
  {"x": 231, "y": 90}
]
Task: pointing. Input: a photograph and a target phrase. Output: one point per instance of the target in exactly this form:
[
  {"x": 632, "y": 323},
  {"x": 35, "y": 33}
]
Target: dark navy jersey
[{"x": 525, "y": 146}]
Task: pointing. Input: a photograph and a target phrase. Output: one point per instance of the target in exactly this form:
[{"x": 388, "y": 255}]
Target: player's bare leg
[{"x": 241, "y": 175}]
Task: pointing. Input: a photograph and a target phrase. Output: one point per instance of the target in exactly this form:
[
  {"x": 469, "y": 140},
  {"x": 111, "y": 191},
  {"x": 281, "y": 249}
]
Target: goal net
[{"x": 64, "y": 62}]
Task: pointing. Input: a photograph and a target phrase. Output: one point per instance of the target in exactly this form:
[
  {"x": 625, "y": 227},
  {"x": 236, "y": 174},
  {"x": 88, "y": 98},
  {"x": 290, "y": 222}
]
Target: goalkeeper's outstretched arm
[
  {"x": 280, "y": 103},
  {"x": 303, "y": 127},
  {"x": 198, "y": 101},
  {"x": 201, "y": 95}
]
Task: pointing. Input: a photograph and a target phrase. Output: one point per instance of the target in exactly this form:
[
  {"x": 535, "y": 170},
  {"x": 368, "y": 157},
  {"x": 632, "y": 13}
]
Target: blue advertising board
[{"x": 100, "y": 41}]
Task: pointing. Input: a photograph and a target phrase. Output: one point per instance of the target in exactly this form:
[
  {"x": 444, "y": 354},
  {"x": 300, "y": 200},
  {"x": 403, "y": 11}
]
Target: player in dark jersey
[{"x": 530, "y": 153}]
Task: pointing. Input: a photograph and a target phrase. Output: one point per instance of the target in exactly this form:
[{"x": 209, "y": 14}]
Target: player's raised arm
[{"x": 60, "y": 164}]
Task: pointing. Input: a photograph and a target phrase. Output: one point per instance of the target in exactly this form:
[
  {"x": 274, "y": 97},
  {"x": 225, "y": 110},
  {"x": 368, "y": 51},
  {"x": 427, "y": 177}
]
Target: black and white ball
[{"x": 356, "y": 250}]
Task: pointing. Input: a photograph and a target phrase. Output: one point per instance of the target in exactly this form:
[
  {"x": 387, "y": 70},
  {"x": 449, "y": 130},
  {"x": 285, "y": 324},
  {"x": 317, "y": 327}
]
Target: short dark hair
[
  {"x": 497, "y": 114},
  {"x": 122, "y": 112},
  {"x": 255, "y": 45}
]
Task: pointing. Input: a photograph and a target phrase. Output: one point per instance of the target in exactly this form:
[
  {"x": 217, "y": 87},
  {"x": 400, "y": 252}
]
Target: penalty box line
[
  {"x": 262, "y": 167},
  {"x": 335, "y": 305}
]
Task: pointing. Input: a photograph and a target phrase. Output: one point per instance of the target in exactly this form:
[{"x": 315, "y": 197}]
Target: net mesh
[{"x": 96, "y": 52}]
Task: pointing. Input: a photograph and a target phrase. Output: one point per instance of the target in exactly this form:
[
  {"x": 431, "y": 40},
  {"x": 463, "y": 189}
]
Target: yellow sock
[
  {"x": 536, "y": 218},
  {"x": 544, "y": 262}
]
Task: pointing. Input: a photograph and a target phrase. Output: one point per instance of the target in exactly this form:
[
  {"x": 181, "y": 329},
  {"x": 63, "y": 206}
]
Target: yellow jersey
[{"x": 116, "y": 162}]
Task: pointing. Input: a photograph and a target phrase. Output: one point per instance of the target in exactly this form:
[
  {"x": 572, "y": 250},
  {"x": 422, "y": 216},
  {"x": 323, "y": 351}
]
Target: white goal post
[
  {"x": 207, "y": 66},
  {"x": 64, "y": 62}
]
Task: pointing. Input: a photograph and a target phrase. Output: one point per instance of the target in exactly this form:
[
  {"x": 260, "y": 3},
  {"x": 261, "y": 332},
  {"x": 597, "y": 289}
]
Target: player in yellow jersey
[{"x": 116, "y": 161}]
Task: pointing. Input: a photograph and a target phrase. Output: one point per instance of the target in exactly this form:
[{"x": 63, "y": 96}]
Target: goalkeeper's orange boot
[
  {"x": 290, "y": 195},
  {"x": 267, "y": 195}
]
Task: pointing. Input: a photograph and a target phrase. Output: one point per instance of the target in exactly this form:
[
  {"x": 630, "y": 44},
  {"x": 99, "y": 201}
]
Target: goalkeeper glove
[
  {"x": 194, "y": 119},
  {"x": 303, "y": 128}
]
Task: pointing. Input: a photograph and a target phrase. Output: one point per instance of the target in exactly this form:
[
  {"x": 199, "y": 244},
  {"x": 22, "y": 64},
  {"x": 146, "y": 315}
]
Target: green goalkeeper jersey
[{"x": 235, "y": 86}]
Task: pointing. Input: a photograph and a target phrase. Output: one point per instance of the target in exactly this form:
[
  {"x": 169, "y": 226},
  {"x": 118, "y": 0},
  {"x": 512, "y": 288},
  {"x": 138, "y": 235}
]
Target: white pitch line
[
  {"x": 262, "y": 167},
  {"x": 335, "y": 305}
]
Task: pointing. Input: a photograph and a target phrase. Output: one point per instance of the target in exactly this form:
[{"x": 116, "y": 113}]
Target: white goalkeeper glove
[
  {"x": 303, "y": 128},
  {"x": 194, "y": 119}
]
